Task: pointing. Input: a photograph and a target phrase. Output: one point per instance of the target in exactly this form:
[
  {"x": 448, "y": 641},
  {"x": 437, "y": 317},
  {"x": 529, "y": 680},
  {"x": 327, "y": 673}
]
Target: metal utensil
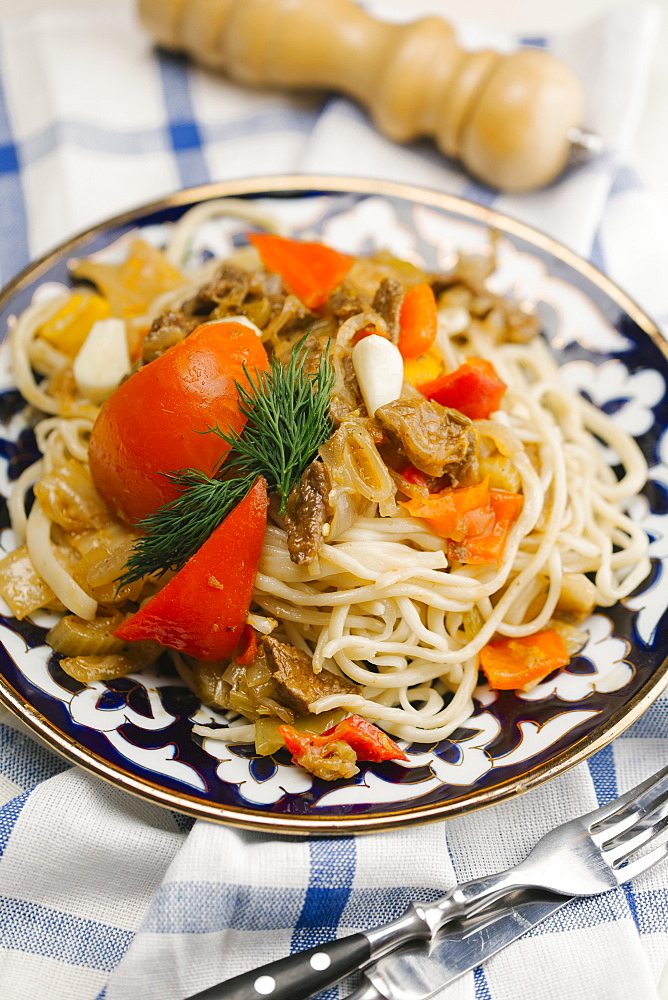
[
  {"x": 583, "y": 857},
  {"x": 420, "y": 970}
]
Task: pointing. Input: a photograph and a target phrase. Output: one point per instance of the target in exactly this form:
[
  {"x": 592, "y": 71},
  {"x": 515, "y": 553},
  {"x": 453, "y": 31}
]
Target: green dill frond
[
  {"x": 288, "y": 419},
  {"x": 178, "y": 529}
]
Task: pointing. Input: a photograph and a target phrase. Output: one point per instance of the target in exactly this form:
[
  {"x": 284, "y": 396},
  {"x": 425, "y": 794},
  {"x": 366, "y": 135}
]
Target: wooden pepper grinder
[{"x": 511, "y": 120}]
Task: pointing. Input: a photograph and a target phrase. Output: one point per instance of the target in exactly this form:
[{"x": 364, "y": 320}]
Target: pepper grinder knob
[{"x": 508, "y": 118}]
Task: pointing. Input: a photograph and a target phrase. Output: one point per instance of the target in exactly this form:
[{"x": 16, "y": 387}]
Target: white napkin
[{"x": 104, "y": 895}]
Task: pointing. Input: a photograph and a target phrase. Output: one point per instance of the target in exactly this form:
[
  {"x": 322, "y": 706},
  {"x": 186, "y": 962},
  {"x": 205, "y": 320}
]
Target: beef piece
[
  {"x": 307, "y": 511},
  {"x": 268, "y": 285},
  {"x": 289, "y": 318},
  {"x": 230, "y": 285},
  {"x": 437, "y": 440},
  {"x": 387, "y": 302},
  {"x": 297, "y": 685},
  {"x": 167, "y": 330},
  {"x": 343, "y": 304},
  {"x": 346, "y": 396}
]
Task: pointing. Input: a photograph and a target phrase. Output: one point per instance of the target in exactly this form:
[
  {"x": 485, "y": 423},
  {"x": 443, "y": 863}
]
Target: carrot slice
[
  {"x": 511, "y": 664},
  {"x": 418, "y": 321},
  {"x": 453, "y": 513},
  {"x": 310, "y": 270}
]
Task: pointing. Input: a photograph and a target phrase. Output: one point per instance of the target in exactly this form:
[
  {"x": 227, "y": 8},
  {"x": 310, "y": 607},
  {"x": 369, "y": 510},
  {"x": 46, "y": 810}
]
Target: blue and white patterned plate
[{"x": 136, "y": 731}]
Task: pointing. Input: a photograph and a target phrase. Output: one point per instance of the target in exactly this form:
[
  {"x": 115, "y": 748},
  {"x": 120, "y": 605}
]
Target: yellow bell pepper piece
[
  {"x": 68, "y": 328},
  {"x": 425, "y": 368}
]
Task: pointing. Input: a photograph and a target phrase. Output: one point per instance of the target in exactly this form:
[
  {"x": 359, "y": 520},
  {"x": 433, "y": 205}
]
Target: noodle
[{"x": 382, "y": 603}]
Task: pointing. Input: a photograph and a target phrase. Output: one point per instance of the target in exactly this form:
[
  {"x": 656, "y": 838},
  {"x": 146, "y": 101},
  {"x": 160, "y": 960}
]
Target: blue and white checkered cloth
[{"x": 105, "y": 896}]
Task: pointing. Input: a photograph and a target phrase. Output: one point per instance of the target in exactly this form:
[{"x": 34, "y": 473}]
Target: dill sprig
[
  {"x": 177, "y": 529},
  {"x": 287, "y": 413},
  {"x": 287, "y": 419}
]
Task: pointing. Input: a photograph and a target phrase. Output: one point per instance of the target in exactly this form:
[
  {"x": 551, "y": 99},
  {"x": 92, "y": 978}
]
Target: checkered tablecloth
[{"x": 105, "y": 896}]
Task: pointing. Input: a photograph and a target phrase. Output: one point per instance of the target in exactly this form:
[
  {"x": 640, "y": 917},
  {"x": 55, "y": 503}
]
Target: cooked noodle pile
[{"x": 381, "y": 603}]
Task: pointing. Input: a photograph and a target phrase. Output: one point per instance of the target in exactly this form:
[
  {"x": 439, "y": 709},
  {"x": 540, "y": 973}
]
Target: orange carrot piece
[
  {"x": 418, "y": 322},
  {"x": 454, "y": 513},
  {"x": 310, "y": 270},
  {"x": 487, "y": 546},
  {"x": 511, "y": 664}
]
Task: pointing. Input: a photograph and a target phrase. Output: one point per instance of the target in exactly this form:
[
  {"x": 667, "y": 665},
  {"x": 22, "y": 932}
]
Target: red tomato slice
[
  {"x": 202, "y": 610},
  {"x": 154, "y": 422}
]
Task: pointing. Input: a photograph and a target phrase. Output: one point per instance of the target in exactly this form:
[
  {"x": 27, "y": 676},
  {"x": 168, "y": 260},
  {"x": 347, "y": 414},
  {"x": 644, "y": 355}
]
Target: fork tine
[
  {"x": 634, "y": 868},
  {"x": 618, "y": 852},
  {"x": 635, "y": 816},
  {"x": 624, "y": 812}
]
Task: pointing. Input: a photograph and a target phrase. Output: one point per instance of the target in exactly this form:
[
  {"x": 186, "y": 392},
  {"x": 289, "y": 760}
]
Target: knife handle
[
  {"x": 297, "y": 977},
  {"x": 306, "y": 973}
]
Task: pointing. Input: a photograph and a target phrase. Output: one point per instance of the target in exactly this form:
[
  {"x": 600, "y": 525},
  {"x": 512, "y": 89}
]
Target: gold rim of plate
[{"x": 411, "y": 814}]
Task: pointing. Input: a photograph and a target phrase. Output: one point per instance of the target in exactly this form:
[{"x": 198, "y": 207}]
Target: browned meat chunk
[
  {"x": 289, "y": 321},
  {"x": 436, "y": 440},
  {"x": 168, "y": 329},
  {"x": 297, "y": 685},
  {"x": 230, "y": 285},
  {"x": 307, "y": 511},
  {"x": 387, "y": 302},
  {"x": 346, "y": 396},
  {"x": 343, "y": 304},
  {"x": 266, "y": 285}
]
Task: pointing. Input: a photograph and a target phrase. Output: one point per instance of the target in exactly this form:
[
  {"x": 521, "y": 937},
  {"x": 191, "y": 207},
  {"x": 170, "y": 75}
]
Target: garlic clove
[
  {"x": 379, "y": 368},
  {"x": 103, "y": 360}
]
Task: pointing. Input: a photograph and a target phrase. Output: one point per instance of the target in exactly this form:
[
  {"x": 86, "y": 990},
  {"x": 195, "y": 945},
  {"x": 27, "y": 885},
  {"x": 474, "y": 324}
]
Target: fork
[{"x": 583, "y": 857}]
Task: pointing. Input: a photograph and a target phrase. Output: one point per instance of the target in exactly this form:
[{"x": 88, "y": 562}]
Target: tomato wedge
[
  {"x": 154, "y": 422},
  {"x": 202, "y": 610}
]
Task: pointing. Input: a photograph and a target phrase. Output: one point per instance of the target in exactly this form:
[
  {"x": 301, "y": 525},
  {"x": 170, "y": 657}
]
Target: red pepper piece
[
  {"x": 414, "y": 476},
  {"x": 202, "y": 610},
  {"x": 310, "y": 270},
  {"x": 474, "y": 389},
  {"x": 368, "y": 741},
  {"x": 247, "y": 646}
]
